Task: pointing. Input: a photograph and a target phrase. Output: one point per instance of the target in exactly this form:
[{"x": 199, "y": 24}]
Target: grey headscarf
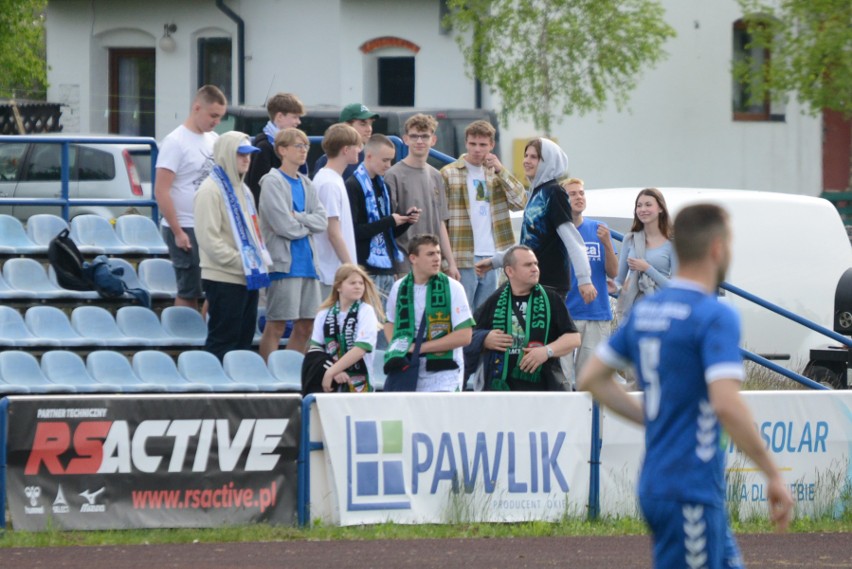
[{"x": 553, "y": 164}]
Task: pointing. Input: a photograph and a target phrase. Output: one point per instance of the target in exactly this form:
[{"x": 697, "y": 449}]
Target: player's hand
[
  {"x": 453, "y": 272},
  {"x": 482, "y": 267},
  {"x": 182, "y": 240},
  {"x": 780, "y": 503},
  {"x": 399, "y": 219},
  {"x": 328, "y": 380},
  {"x": 603, "y": 235},
  {"x": 498, "y": 341},
  {"x": 588, "y": 292},
  {"x": 533, "y": 358},
  {"x": 413, "y": 214},
  {"x": 491, "y": 161},
  {"x": 638, "y": 264}
]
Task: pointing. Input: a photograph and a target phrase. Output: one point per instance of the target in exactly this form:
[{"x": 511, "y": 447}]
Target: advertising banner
[
  {"x": 447, "y": 458},
  {"x": 808, "y": 434},
  {"x": 117, "y": 462}
]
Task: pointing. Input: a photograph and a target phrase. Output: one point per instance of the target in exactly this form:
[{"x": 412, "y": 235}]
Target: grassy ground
[{"x": 265, "y": 533}]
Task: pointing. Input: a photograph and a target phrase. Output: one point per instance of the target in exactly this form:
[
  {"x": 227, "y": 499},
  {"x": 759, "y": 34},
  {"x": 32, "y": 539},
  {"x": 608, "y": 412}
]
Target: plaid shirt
[{"x": 506, "y": 193}]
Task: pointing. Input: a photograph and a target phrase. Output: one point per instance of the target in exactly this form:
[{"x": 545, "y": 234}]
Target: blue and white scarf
[
  {"x": 270, "y": 130},
  {"x": 378, "y": 249},
  {"x": 255, "y": 257}
]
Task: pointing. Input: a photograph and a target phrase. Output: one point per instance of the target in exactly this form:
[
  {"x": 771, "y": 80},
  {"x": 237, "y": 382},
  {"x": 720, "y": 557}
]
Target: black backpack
[{"x": 67, "y": 262}]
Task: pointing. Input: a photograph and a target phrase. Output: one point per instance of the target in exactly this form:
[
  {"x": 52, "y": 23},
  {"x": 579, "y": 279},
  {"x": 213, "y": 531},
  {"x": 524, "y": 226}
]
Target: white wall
[{"x": 679, "y": 130}]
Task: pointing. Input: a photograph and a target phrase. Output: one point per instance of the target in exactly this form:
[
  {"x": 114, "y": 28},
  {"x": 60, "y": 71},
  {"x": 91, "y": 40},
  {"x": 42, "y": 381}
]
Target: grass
[{"x": 266, "y": 533}]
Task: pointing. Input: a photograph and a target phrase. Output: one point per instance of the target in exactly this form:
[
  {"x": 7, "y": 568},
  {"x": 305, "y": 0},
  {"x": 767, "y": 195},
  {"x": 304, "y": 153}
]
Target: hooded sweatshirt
[
  {"x": 220, "y": 258},
  {"x": 548, "y": 228}
]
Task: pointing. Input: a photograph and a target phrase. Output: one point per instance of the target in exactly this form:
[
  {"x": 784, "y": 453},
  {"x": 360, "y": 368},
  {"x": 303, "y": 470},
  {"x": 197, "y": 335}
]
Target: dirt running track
[{"x": 760, "y": 551}]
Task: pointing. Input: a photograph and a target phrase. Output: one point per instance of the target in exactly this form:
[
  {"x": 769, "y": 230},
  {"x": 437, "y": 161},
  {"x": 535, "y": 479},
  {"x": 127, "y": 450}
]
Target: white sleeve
[
  {"x": 330, "y": 198},
  {"x": 390, "y": 307},
  {"x": 317, "y": 335},
  {"x": 368, "y": 326},
  {"x": 460, "y": 307},
  {"x": 576, "y": 247},
  {"x": 170, "y": 154}
]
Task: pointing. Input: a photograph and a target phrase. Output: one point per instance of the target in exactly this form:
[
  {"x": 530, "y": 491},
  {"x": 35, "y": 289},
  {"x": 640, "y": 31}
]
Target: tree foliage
[
  {"x": 810, "y": 46},
  {"x": 23, "y": 69},
  {"x": 550, "y": 58}
]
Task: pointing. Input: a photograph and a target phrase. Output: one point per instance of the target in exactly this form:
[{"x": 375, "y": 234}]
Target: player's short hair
[
  {"x": 209, "y": 95},
  {"x": 422, "y": 239},
  {"x": 696, "y": 227},
  {"x": 377, "y": 141},
  {"x": 510, "y": 258},
  {"x": 480, "y": 128},
  {"x": 337, "y": 137},
  {"x": 570, "y": 181},
  {"x": 284, "y": 103},
  {"x": 289, "y": 137},
  {"x": 421, "y": 122}
]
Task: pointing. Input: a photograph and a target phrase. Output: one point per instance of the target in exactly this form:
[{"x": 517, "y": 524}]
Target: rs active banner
[
  {"x": 116, "y": 462},
  {"x": 808, "y": 434},
  {"x": 442, "y": 458}
]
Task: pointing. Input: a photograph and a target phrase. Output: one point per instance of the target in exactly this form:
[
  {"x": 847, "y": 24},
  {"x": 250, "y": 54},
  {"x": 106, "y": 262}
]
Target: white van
[{"x": 788, "y": 249}]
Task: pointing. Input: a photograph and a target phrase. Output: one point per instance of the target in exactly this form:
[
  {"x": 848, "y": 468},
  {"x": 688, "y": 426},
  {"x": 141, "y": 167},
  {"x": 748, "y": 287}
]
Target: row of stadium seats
[
  {"x": 93, "y": 235},
  {"x": 26, "y": 279},
  {"x": 148, "y": 371}
]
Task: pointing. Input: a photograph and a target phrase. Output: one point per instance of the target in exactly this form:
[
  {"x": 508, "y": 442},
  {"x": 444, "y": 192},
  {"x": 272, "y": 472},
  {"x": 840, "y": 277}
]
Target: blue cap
[{"x": 247, "y": 149}]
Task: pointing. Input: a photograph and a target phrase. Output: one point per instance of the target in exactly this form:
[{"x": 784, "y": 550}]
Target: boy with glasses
[{"x": 413, "y": 182}]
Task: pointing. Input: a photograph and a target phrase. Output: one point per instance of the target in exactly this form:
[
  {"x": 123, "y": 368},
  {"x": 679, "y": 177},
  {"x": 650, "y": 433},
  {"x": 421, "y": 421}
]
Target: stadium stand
[
  {"x": 112, "y": 368},
  {"x": 97, "y": 324},
  {"x": 51, "y": 324},
  {"x": 94, "y": 234},
  {"x": 140, "y": 232},
  {"x": 153, "y": 366},
  {"x": 157, "y": 276},
  {"x": 184, "y": 323},
  {"x": 68, "y": 368},
  {"x": 140, "y": 322},
  {"x": 14, "y": 332},
  {"x": 286, "y": 367},
  {"x": 14, "y": 239},
  {"x": 198, "y": 366},
  {"x": 244, "y": 366},
  {"x": 22, "y": 369},
  {"x": 43, "y": 227},
  {"x": 26, "y": 274}
]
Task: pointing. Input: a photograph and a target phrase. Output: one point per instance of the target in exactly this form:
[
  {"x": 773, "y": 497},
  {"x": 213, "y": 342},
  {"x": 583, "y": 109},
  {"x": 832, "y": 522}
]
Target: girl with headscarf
[
  {"x": 548, "y": 227},
  {"x": 234, "y": 259}
]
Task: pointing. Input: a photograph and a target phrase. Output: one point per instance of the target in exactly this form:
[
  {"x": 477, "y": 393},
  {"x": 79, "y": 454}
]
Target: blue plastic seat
[
  {"x": 50, "y": 323},
  {"x": 112, "y": 368},
  {"x": 8, "y": 292},
  {"x": 94, "y": 234},
  {"x": 97, "y": 324},
  {"x": 158, "y": 278},
  {"x": 159, "y": 368},
  {"x": 67, "y": 368},
  {"x": 286, "y": 367},
  {"x": 130, "y": 278},
  {"x": 68, "y": 293},
  {"x": 28, "y": 274},
  {"x": 141, "y": 322},
  {"x": 245, "y": 366},
  {"x": 185, "y": 324},
  {"x": 14, "y": 239},
  {"x": 141, "y": 232},
  {"x": 43, "y": 227},
  {"x": 198, "y": 366},
  {"x": 15, "y": 333},
  {"x": 21, "y": 368}
]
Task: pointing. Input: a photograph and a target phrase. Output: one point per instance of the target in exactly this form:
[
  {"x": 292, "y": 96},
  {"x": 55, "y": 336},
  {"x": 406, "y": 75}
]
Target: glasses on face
[
  {"x": 419, "y": 136},
  {"x": 301, "y": 146}
]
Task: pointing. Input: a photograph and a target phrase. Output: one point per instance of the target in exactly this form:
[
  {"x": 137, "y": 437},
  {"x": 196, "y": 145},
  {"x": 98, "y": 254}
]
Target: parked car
[
  {"x": 391, "y": 121},
  {"x": 109, "y": 171}
]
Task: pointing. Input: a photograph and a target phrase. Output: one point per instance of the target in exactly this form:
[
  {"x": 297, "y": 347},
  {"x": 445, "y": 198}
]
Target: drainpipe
[{"x": 241, "y": 50}]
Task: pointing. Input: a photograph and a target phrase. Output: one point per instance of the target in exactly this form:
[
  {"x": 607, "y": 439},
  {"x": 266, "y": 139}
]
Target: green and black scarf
[
  {"x": 339, "y": 341},
  {"x": 439, "y": 322},
  {"x": 536, "y": 326}
]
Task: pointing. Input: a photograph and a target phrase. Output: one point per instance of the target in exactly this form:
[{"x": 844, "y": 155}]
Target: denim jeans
[{"x": 477, "y": 288}]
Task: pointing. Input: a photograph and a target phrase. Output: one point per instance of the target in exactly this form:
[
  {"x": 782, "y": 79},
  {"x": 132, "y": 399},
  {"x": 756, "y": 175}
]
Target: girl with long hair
[
  {"x": 346, "y": 328},
  {"x": 647, "y": 259}
]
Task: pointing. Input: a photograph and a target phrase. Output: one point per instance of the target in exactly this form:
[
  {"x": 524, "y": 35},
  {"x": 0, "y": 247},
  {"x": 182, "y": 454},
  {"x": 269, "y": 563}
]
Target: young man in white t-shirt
[
  {"x": 185, "y": 160},
  {"x": 480, "y": 193},
  {"x": 449, "y": 326},
  {"x": 336, "y": 245}
]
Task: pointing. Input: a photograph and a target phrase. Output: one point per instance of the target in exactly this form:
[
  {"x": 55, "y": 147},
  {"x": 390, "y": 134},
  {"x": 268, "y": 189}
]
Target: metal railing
[{"x": 64, "y": 201}]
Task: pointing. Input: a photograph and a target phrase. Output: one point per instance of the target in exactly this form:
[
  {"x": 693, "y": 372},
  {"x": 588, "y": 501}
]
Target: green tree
[
  {"x": 550, "y": 58},
  {"x": 23, "y": 68}
]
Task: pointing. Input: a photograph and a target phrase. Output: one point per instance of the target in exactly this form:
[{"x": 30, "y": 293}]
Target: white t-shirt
[
  {"x": 449, "y": 380},
  {"x": 366, "y": 330},
  {"x": 332, "y": 193},
  {"x": 190, "y": 156},
  {"x": 479, "y": 201}
]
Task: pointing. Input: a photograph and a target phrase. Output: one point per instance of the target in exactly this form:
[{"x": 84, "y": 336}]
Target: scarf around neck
[
  {"x": 378, "y": 247},
  {"x": 339, "y": 341},
  {"x": 536, "y": 326},
  {"x": 270, "y": 130},
  {"x": 437, "y": 313},
  {"x": 253, "y": 252}
]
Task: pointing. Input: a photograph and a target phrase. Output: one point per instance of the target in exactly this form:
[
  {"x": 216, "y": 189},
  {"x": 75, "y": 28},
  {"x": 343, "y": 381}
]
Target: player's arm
[
  {"x": 335, "y": 237},
  {"x": 162, "y": 193},
  {"x": 598, "y": 378},
  {"x": 736, "y": 418}
]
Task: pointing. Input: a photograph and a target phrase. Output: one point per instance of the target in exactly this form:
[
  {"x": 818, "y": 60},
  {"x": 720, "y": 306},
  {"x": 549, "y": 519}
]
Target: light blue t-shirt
[
  {"x": 599, "y": 308},
  {"x": 680, "y": 340},
  {"x": 302, "y": 264}
]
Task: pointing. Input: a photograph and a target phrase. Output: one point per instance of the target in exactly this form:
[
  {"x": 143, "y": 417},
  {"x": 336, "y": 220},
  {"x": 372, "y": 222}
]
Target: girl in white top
[{"x": 346, "y": 328}]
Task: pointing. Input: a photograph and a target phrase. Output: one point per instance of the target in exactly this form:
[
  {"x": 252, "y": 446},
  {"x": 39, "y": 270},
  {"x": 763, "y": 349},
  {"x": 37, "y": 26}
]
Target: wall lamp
[{"x": 167, "y": 42}]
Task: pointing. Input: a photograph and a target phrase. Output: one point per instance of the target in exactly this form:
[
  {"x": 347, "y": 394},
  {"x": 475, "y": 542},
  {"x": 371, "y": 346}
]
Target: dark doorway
[
  {"x": 214, "y": 64},
  {"x": 131, "y": 91},
  {"x": 396, "y": 81}
]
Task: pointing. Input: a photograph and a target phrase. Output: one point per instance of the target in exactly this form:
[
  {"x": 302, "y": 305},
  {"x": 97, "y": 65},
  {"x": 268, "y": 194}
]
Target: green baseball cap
[{"x": 356, "y": 111}]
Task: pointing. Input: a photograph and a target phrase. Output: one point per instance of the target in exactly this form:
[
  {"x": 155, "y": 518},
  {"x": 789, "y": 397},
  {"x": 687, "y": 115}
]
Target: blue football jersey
[{"x": 680, "y": 340}]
